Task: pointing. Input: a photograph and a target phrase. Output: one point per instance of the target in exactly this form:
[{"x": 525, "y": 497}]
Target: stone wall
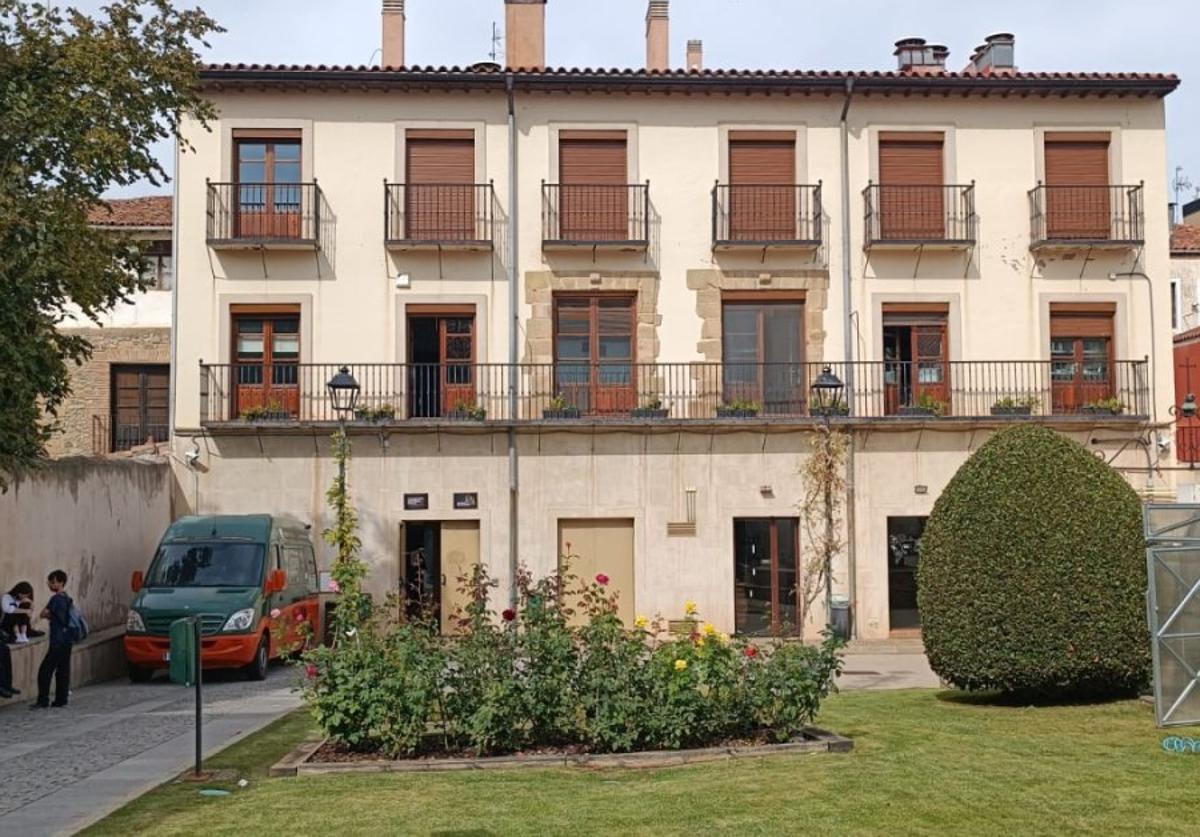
[{"x": 91, "y": 383}]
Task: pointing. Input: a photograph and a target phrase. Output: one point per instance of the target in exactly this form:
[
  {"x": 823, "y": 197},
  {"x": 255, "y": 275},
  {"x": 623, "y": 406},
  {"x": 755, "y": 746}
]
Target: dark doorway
[
  {"x": 139, "y": 405},
  {"x": 766, "y": 594},
  {"x": 422, "y": 570},
  {"x": 441, "y": 356},
  {"x": 904, "y": 555}
]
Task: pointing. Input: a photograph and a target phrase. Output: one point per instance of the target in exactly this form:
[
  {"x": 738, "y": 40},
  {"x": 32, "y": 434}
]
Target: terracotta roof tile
[
  {"x": 1185, "y": 238},
  {"x": 133, "y": 212}
]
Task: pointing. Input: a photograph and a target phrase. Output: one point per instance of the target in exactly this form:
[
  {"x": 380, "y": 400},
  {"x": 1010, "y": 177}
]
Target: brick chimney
[
  {"x": 393, "y": 33},
  {"x": 695, "y": 55},
  {"x": 658, "y": 35},
  {"x": 525, "y": 34}
]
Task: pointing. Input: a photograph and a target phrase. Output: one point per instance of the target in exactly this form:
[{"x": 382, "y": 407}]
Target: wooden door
[
  {"x": 916, "y": 356},
  {"x": 269, "y": 194},
  {"x": 594, "y": 352},
  {"x": 931, "y": 384},
  {"x": 139, "y": 405},
  {"x": 266, "y": 354},
  {"x": 1078, "y": 203},
  {"x": 762, "y": 186},
  {"x": 1081, "y": 362},
  {"x": 594, "y": 202},
  {"x": 600, "y": 547},
  {"x": 763, "y": 353},
  {"x": 766, "y": 571},
  {"x": 457, "y": 337},
  {"x": 911, "y": 191},
  {"x": 460, "y": 554},
  {"x": 440, "y": 190}
]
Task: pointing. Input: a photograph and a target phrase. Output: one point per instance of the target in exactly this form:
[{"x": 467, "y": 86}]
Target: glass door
[
  {"x": 268, "y": 176},
  {"x": 266, "y": 355},
  {"x": 766, "y": 576},
  {"x": 763, "y": 350}
]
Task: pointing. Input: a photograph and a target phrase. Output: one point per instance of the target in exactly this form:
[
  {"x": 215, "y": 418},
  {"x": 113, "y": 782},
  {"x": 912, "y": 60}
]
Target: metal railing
[
  {"x": 106, "y": 439},
  {"x": 676, "y": 391},
  {"x": 748, "y": 215},
  {"x": 920, "y": 214},
  {"x": 264, "y": 213},
  {"x": 591, "y": 214},
  {"x": 1087, "y": 214},
  {"x": 439, "y": 213}
]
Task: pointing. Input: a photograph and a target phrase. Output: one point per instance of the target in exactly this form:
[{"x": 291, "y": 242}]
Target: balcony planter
[
  {"x": 1098, "y": 410},
  {"x": 264, "y": 416},
  {"x": 649, "y": 413},
  {"x": 1012, "y": 411},
  {"x": 467, "y": 415},
  {"x": 838, "y": 411},
  {"x": 914, "y": 411},
  {"x": 737, "y": 412},
  {"x": 375, "y": 415},
  {"x": 560, "y": 413}
]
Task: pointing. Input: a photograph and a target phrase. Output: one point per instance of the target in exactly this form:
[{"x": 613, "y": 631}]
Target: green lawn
[{"x": 924, "y": 763}]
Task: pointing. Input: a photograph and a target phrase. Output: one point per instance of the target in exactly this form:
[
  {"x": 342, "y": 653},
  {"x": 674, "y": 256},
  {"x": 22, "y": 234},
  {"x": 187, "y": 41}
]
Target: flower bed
[{"x": 558, "y": 676}]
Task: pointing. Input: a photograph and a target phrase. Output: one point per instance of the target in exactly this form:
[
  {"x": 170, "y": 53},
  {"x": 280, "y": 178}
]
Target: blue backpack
[{"x": 77, "y": 626}]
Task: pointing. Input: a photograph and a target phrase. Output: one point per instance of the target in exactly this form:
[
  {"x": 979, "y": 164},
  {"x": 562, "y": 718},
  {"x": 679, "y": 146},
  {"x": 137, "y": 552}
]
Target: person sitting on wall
[{"x": 16, "y": 606}]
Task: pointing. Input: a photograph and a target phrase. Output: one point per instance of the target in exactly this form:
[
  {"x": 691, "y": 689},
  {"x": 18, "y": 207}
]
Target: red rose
[
  {"x": 311, "y": 671},
  {"x": 751, "y": 651},
  {"x": 602, "y": 579},
  {"x": 509, "y": 614}
]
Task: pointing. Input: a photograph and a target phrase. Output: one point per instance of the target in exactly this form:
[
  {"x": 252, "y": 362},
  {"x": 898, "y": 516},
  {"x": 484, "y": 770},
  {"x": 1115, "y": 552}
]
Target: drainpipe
[
  {"x": 1137, "y": 274},
  {"x": 848, "y": 352},
  {"x": 513, "y": 329}
]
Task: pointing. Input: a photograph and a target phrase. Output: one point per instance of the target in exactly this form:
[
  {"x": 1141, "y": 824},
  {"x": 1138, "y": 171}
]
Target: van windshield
[{"x": 207, "y": 565}]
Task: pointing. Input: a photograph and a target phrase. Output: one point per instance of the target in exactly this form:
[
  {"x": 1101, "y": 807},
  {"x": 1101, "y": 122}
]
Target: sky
[{"x": 1076, "y": 35}]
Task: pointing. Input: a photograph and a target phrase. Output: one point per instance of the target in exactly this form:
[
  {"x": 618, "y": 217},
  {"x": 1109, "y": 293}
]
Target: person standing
[{"x": 57, "y": 663}]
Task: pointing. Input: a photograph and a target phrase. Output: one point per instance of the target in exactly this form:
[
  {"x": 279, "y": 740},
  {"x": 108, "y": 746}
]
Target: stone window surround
[
  {"x": 540, "y": 287},
  {"x": 800, "y": 129},
  {"x": 954, "y": 331},
  {"x": 1040, "y": 129}
]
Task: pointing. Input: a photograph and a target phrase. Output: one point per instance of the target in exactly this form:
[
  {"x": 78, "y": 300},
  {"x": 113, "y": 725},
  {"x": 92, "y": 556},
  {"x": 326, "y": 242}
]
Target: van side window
[
  {"x": 298, "y": 572},
  {"x": 311, "y": 577}
]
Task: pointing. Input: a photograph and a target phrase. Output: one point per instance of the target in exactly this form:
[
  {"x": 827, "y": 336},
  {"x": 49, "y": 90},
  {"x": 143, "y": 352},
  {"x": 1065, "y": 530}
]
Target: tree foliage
[
  {"x": 83, "y": 101},
  {"x": 1033, "y": 574}
]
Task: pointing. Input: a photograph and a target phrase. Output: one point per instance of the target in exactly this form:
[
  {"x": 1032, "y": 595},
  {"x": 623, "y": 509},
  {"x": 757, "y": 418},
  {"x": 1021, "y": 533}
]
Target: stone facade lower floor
[{"x": 713, "y": 516}]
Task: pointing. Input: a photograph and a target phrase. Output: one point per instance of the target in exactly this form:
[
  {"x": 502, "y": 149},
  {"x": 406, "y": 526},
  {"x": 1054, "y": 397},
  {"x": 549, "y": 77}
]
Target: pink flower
[
  {"x": 509, "y": 614},
  {"x": 751, "y": 651},
  {"x": 275, "y": 613},
  {"x": 334, "y": 587},
  {"x": 311, "y": 671},
  {"x": 602, "y": 579},
  {"x": 301, "y": 615}
]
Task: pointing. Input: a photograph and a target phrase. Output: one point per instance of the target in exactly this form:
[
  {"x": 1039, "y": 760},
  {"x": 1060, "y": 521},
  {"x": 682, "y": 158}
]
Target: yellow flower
[
  {"x": 724, "y": 638},
  {"x": 700, "y": 642},
  {"x": 641, "y": 622},
  {"x": 710, "y": 629},
  {"x": 690, "y": 608},
  {"x": 680, "y": 665}
]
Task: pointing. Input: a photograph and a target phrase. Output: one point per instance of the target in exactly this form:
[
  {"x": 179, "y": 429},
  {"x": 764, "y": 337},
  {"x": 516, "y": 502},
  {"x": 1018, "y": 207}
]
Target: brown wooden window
[
  {"x": 440, "y": 191},
  {"x": 762, "y": 181},
  {"x": 594, "y": 199},
  {"x": 594, "y": 351},
  {"x": 266, "y": 357},
  {"x": 267, "y": 167},
  {"x": 916, "y": 369},
  {"x": 1081, "y": 355},
  {"x": 1078, "y": 200},
  {"x": 139, "y": 404},
  {"x": 911, "y": 193},
  {"x": 441, "y": 354},
  {"x": 160, "y": 267},
  {"x": 766, "y": 570},
  {"x": 762, "y": 345}
]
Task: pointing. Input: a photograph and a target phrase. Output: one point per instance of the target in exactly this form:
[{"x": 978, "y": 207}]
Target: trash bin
[{"x": 839, "y": 618}]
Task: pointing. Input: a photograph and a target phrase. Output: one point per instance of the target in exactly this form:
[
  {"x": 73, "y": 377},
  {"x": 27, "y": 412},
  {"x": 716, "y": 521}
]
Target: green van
[{"x": 252, "y": 580}]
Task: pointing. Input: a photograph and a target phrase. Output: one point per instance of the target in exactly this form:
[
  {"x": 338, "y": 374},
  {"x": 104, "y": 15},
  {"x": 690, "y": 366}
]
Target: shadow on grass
[{"x": 1023, "y": 700}]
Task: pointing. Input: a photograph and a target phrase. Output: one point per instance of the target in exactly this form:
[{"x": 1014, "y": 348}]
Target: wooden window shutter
[
  {"x": 1073, "y": 320},
  {"x": 1076, "y": 159},
  {"x": 910, "y": 158},
  {"x": 600, "y": 158},
  {"x": 439, "y": 196},
  {"x": 762, "y": 160},
  {"x": 445, "y": 159},
  {"x": 915, "y": 313}
]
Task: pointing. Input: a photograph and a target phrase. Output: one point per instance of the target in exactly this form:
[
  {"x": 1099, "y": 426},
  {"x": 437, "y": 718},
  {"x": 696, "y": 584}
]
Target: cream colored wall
[{"x": 1185, "y": 273}]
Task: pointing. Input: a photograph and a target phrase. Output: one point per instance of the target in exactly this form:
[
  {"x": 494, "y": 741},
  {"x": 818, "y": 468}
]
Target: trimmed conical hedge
[{"x": 1033, "y": 572}]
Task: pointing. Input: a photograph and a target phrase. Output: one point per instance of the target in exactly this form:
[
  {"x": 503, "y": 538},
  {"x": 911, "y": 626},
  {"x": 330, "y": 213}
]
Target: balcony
[
  {"x": 283, "y": 395},
  {"x": 439, "y": 216},
  {"x": 756, "y": 217},
  {"x": 911, "y": 217},
  {"x": 579, "y": 216},
  {"x": 1068, "y": 217},
  {"x": 281, "y": 216}
]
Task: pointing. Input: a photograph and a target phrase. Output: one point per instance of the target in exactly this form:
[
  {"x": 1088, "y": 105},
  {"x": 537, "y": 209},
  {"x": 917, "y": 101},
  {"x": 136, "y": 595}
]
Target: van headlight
[
  {"x": 243, "y": 620},
  {"x": 134, "y": 623}
]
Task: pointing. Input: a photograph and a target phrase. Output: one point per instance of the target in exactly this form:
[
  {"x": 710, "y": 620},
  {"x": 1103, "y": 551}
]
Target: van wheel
[
  {"x": 137, "y": 674},
  {"x": 257, "y": 670}
]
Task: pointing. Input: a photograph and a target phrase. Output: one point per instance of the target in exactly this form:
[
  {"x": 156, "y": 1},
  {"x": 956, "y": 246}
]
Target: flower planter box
[
  {"x": 270, "y": 416},
  {"x": 923, "y": 412},
  {"x": 730, "y": 412},
  {"x": 465, "y": 415},
  {"x": 829, "y": 412},
  {"x": 1012, "y": 411},
  {"x": 649, "y": 413},
  {"x": 559, "y": 413},
  {"x": 1092, "y": 410}
]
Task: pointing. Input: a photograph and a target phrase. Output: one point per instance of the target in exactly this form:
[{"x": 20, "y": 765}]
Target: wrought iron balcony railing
[
  {"x": 264, "y": 214},
  {"x": 454, "y": 215},
  {"x": 286, "y": 393},
  {"x": 585, "y": 215},
  {"x": 746, "y": 215},
  {"x": 1087, "y": 215},
  {"x": 916, "y": 215}
]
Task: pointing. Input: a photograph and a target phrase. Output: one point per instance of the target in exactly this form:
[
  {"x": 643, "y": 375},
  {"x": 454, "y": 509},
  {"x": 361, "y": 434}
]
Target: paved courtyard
[{"x": 61, "y": 769}]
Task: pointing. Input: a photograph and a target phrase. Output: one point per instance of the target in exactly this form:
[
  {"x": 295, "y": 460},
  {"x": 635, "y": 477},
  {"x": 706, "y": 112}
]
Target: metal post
[{"x": 199, "y": 695}]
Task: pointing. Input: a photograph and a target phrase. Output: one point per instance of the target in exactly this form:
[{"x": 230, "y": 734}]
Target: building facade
[
  {"x": 120, "y": 395},
  {"x": 586, "y": 309}
]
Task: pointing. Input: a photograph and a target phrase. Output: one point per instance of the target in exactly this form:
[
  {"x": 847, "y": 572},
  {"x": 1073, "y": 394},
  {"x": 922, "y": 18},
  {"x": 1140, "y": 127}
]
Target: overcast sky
[{"x": 1081, "y": 35}]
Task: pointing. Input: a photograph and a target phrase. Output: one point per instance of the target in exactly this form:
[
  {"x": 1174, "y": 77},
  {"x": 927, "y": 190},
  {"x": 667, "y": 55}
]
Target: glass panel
[
  {"x": 931, "y": 373},
  {"x": 252, "y": 151},
  {"x": 459, "y": 325},
  {"x": 1062, "y": 371},
  {"x": 207, "y": 565},
  {"x": 1095, "y": 348},
  {"x": 785, "y": 596},
  {"x": 252, "y": 171},
  {"x": 287, "y": 151},
  {"x": 285, "y": 347},
  {"x": 615, "y": 374},
  {"x": 250, "y": 347},
  {"x": 572, "y": 348},
  {"x": 166, "y": 273},
  {"x": 287, "y": 198},
  {"x": 289, "y": 325},
  {"x": 616, "y": 348},
  {"x": 781, "y": 334},
  {"x": 458, "y": 348},
  {"x": 1060, "y": 347},
  {"x": 1094, "y": 372},
  {"x": 752, "y": 576},
  {"x": 284, "y": 374},
  {"x": 251, "y": 197}
]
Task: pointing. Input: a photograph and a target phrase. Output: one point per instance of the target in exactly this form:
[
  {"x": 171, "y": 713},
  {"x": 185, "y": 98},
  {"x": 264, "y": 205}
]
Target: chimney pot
[
  {"x": 695, "y": 55},
  {"x": 525, "y": 34},
  {"x": 658, "y": 35},
  {"x": 393, "y": 33}
]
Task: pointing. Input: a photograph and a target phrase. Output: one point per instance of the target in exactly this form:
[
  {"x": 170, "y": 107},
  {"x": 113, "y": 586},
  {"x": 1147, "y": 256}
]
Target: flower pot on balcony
[
  {"x": 649, "y": 413},
  {"x": 1098, "y": 410},
  {"x": 914, "y": 411},
  {"x": 830, "y": 412},
  {"x": 466, "y": 415},
  {"x": 1012, "y": 411},
  {"x": 559, "y": 413},
  {"x": 736, "y": 412}
]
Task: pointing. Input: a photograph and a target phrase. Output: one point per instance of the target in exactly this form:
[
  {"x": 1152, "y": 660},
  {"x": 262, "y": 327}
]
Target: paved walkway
[
  {"x": 115, "y": 742},
  {"x": 887, "y": 671}
]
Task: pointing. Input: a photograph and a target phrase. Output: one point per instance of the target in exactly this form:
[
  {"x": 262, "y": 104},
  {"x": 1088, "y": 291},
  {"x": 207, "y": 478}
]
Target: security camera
[
  {"x": 192, "y": 456},
  {"x": 403, "y": 280},
  {"x": 1164, "y": 443}
]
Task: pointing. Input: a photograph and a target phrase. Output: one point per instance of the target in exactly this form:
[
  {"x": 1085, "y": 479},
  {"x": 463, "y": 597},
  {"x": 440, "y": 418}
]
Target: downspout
[
  {"x": 513, "y": 329},
  {"x": 848, "y": 354}
]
